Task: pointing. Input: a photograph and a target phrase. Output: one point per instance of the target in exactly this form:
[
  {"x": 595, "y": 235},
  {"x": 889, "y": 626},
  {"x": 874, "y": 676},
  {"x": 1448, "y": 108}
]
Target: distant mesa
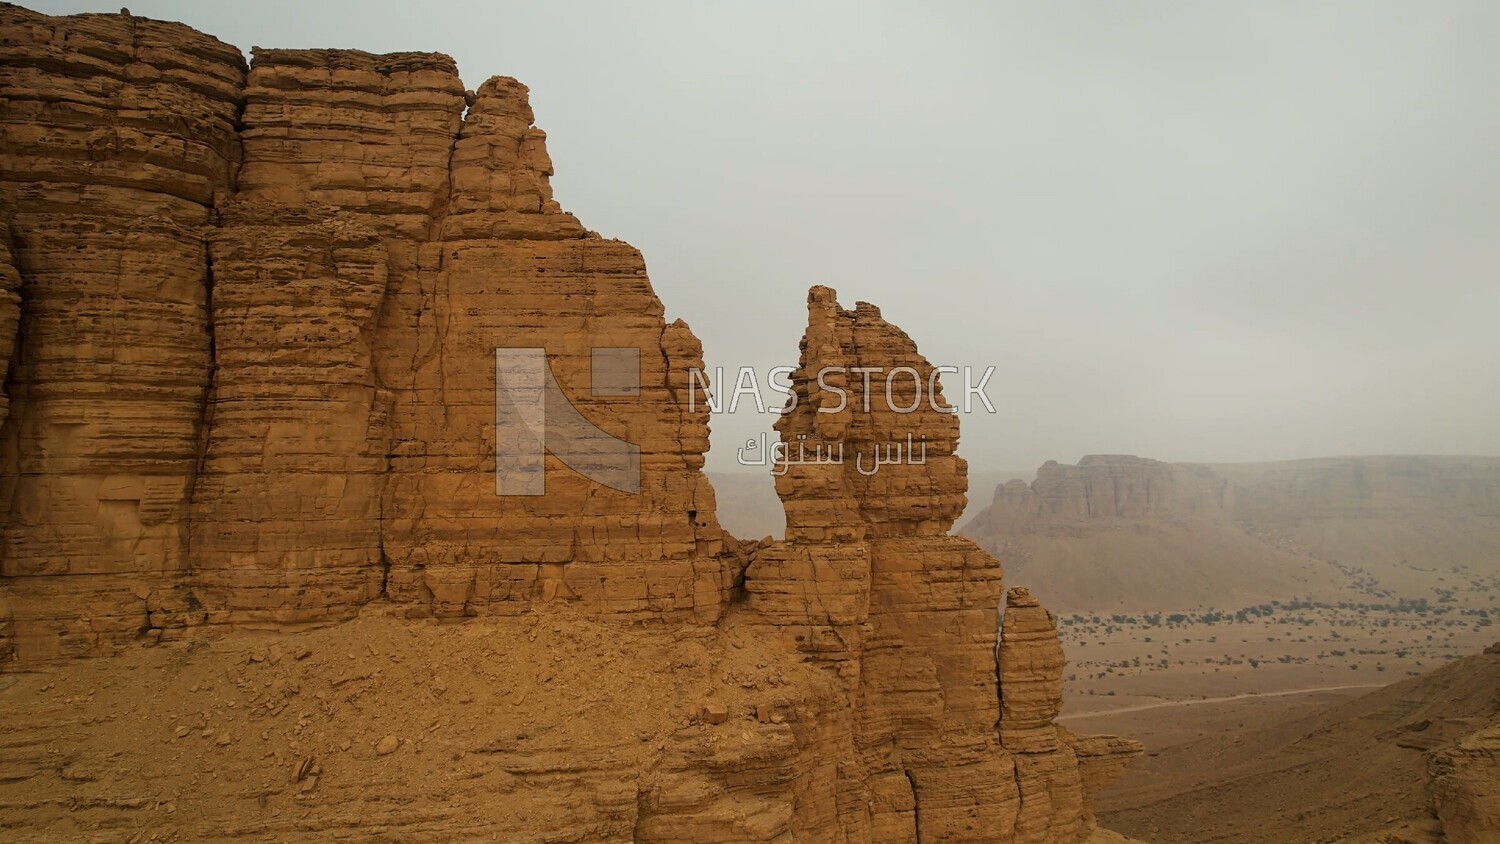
[{"x": 1125, "y": 532}]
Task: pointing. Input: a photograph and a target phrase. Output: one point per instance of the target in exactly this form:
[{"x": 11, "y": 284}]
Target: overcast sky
[{"x": 1191, "y": 231}]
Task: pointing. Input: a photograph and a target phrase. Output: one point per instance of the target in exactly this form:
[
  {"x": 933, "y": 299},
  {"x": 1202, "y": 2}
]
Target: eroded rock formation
[
  {"x": 256, "y": 374},
  {"x": 119, "y": 137},
  {"x": 1465, "y": 787},
  {"x": 870, "y": 584},
  {"x": 255, "y": 312},
  {"x": 10, "y": 314},
  {"x": 1104, "y": 486}
]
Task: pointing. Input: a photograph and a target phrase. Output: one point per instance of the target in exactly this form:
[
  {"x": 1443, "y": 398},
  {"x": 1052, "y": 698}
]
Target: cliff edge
[{"x": 250, "y": 316}]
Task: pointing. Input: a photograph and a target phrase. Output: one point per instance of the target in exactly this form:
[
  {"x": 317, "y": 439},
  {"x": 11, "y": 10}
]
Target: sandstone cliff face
[
  {"x": 1465, "y": 787},
  {"x": 1366, "y": 487},
  {"x": 10, "y": 314},
  {"x": 1106, "y": 486},
  {"x": 869, "y": 584},
  {"x": 256, "y": 374},
  {"x": 255, "y": 313},
  {"x": 118, "y": 137},
  {"x": 345, "y": 168}
]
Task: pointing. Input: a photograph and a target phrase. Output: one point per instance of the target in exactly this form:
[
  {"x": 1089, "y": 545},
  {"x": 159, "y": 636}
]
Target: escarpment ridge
[
  {"x": 1118, "y": 532},
  {"x": 250, "y": 315}
]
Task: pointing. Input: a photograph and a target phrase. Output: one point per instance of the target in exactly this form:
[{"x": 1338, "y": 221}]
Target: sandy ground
[
  {"x": 1308, "y": 768},
  {"x": 1140, "y": 661},
  {"x": 1221, "y": 681}
]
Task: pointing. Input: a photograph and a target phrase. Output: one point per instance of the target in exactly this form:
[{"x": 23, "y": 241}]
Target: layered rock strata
[
  {"x": 252, "y": 316},
  {"x": 869, "y": 584},
  {"x": 1465, "y": 787},
  {"x": 1105, "y": 486},
  {"x": 256, "y": 373},
  {"x": 118, "y": 137}
]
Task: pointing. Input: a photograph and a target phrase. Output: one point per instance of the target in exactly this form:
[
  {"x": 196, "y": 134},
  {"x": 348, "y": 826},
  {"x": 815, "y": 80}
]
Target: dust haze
[{"x": 1195, "y": 231}]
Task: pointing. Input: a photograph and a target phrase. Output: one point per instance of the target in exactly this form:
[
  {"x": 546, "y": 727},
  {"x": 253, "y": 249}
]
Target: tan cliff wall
[
  {"x": 1365, "y": 487},
  {"x": 254, "y": 311},
  {"x": 10, "y": 314},
  {"x": 869, "y": 584},
  {"x": 119, "y": 137},
  {"x": 1106, "y": 486},
  {"x": 1117, "y": 532},
  {"x": 255, "y": 376},
  {"x": 345, "y": 166}
]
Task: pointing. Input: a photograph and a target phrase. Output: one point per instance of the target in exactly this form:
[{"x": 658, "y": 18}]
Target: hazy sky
[{"x": 1190, "y": 231}]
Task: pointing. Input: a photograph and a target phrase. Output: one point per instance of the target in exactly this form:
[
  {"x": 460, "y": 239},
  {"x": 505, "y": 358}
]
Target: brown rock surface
[
  {"x": 346, "y": 158},
  {"x": 1048, "y": 773},
  {"x": 1031, "y": 666},
  {"x": 515, "y": 271},
  {"x": 551, "y": 726},
  {"x": 118, "y": 136},
  {"x": 256, "y": 381},
  {"x": 1465, "y": 787},
  {"x": 254, "y": 392},
  {"x": 10, "y": 313},
  {"x": 869, "y": 584}
]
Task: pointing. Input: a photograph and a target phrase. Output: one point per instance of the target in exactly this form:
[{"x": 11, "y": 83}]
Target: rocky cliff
[
  {"x": 251, "y": 315},
  {"x": 1107, "y": 486},
  {"x": 255, "y": 372},
  {"x": 870, "y": 584}
]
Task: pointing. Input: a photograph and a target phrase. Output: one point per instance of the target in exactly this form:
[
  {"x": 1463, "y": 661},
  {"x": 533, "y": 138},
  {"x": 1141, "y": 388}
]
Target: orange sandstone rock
[
  {"x": 257, "y": 376},
  {"x": 255, "y": 385},
  {"x": 869, "y": 584},
  {"x": 118, "y": 136}
]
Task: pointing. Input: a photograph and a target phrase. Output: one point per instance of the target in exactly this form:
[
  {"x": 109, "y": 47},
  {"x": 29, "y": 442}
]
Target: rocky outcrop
[
  {"x": 869, "y": 584},
  {"x": 1104, "y": 486},
  {"x": 1114, "y": 486},
  {"x": 1465, "y": 787},
  {"x": 1055, "y": 769},
  {"x": 10, "y": 314},
  {"x": 263, "y": 318},
  {"x": 257, "y": 368},
  {"x": 1031, "y": 664},
  {"x": 514, "y": 271},
  {"x": 118, "y": 137},
  {"x": 1048, "y": 775},
  {"x": 1392, "y": 486}
]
